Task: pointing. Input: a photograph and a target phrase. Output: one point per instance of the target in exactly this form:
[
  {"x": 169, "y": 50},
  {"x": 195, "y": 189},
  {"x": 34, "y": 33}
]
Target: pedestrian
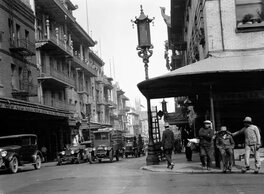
[
  {"x": 167, "y": 143},
  {"x": 44, "y": 151},
  {"x": 225, "y": 144},
  {"x": 206, "y": 144},
  {"x": 187, "y": 134},
  {"x": 252, "y": 143}
]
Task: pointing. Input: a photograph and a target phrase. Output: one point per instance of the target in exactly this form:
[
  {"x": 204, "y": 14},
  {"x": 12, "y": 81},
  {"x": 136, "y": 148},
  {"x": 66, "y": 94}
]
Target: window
[
  {"x": 1, "y": 38},
  {"x": 18, "y": 34},
  {"x": 250, "y": 14},
  {"x": 20, "y": 76},
  {"x": 13, "y": 77},
  {"x": 11, "y": 29},
  {"x": 27, "y": 35}
]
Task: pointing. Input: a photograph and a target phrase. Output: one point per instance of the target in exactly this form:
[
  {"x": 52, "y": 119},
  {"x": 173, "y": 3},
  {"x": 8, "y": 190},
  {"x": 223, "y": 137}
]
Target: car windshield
[
  {"x": 10, "y": 141},
  {"x": 101, "y": 136}
]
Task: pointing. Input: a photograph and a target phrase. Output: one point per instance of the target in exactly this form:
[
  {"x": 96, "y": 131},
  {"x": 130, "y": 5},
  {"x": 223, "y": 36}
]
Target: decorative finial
[{"x": 141, "y": 9}]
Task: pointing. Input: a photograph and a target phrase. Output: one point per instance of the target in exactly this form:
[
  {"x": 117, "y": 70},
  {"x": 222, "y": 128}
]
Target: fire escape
[{"x": 22, "y": 49}]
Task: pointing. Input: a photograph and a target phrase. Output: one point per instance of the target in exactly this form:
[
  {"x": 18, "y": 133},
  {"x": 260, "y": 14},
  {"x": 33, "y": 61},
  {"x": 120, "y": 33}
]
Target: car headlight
[
  {"x": 106, "y": 148},
  {"x": 4, "y": 153},
  {"x": 93, "y": 149},
  {"x": 72, "y": 152},
  {"x": 63, "y": 153}
]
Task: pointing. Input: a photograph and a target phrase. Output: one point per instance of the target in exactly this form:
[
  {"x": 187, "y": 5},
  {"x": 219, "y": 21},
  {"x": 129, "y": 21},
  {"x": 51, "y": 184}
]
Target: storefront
[
  {"x": 49, "y": 124},
  {"x": 222, "y": 89}
]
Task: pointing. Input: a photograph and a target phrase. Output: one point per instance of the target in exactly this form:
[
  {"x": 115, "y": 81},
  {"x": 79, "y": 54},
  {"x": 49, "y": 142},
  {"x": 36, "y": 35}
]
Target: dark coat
[
  {"x": 224, "y": 140},
  {"x": 167, "y": 139},
  {"x": 206, "y": 137}
]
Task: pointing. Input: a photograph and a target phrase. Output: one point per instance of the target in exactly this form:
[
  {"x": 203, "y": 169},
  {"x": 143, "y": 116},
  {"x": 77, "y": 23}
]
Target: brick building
[{"x": 20, "y": 110}]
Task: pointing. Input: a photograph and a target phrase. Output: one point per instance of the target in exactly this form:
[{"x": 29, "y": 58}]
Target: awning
[{"x": 220, "y": 73}]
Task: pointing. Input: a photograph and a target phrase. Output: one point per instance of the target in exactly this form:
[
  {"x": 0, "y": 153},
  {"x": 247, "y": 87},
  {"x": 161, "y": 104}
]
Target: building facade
[
  {"x": 20, "y": 108},
  {"x": 230, "y": 33},
  {"x": 51, "y": 81}
]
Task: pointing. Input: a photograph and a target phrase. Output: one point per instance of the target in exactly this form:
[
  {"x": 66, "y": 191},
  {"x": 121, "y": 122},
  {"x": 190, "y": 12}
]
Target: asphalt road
[{"x": 126, "y": 177}]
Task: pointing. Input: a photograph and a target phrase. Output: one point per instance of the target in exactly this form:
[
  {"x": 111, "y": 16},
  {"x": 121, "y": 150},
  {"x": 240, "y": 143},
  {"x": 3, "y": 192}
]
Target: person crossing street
[
  {"x": 168, "y": 144},
  {"x": 252, "y": 143}
]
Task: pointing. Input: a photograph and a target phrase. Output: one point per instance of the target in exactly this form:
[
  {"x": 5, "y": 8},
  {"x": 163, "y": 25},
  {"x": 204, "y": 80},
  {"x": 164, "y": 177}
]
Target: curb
[{"x": 179, "y": 171}]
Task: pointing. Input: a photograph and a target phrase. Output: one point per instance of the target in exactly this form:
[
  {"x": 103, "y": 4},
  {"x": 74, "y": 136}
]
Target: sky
[{"x": 109, "y": 23}]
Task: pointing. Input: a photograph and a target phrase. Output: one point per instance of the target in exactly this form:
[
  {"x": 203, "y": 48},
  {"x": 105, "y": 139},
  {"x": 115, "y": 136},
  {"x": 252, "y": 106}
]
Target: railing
[
  {"x": 62, "y": 77},
  {"x": 85, "y": 65},
  {"x": 59, "y": 104},
  {"x": 27, "y": 89},
  {"x": 23, "y": 46},
  {"x": 54, "y": 38}
]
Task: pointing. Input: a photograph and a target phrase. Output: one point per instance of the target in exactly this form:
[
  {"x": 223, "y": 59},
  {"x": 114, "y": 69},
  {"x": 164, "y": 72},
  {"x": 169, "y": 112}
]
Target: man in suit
[{"x": 168, "y": 143}]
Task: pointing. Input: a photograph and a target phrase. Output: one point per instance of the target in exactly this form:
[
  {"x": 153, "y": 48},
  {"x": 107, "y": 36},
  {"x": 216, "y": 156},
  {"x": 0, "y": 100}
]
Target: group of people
[{"x": 223, "y": 141}]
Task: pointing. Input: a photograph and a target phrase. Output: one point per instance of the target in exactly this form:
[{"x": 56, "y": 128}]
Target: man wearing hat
[
  {"x": 206, "y": 144},
  {"x": 167, "y": 143},
  {"x": 225, "y": 144},
  {"x": 252, "y": 143}
]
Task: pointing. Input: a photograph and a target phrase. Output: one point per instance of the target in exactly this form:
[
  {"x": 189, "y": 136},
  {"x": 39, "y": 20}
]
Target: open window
[{"x": 250, "y": 15}]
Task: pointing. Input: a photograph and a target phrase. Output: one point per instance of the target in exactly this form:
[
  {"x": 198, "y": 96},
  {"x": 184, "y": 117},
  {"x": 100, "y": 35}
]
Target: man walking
[
  {"x": 225, "y": 144},
  {"x": 187, "y": 134},
  {"x": 252, "y": 143},
  {"x": 167, "y": 143},
  {"x": 206, "y": 144}
]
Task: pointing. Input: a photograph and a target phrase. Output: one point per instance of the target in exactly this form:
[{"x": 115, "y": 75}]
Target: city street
[{"x": 124, "y": 176}]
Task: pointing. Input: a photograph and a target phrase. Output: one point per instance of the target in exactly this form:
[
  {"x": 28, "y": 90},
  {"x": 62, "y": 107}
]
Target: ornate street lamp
[{"x": 144, "y": 51}]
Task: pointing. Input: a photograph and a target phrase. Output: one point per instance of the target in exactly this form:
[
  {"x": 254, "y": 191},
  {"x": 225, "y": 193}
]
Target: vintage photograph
[{"x": 131, "y": 96}]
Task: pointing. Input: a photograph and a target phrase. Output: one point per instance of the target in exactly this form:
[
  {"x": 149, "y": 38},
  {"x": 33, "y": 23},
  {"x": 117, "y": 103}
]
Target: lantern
[{"x": 143, "y": 30}]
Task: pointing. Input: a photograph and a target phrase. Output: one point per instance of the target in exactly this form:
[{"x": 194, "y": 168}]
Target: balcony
[
  {"x": 58, "y": 78},
  {"x": 56, "y": 9},
  {"x": 87, "y": 68},
  {"x": 23, "y": 47},
  {"x": 25, "y": 90},
  {"x": 62, "y": 105},
  {"x": 52, "y": 43}
]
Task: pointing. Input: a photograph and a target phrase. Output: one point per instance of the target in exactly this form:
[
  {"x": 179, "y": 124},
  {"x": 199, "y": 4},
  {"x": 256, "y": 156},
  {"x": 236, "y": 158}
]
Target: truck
[{"x": 107, "y": 144}]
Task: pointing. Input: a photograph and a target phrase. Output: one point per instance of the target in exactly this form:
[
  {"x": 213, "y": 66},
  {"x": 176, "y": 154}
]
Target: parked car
[
  {"x": 88, "y": 151},
  {"x": 72, "y": 153},
  {"x": 107, "y": 144},
  {"x": 18, "y": 150}
]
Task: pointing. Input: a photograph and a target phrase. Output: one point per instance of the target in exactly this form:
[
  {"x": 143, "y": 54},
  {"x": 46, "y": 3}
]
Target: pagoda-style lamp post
[{"x": 144, "y": 51}]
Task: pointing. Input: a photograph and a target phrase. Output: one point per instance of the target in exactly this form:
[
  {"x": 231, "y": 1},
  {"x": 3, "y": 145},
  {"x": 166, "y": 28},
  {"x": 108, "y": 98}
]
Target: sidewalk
[{"x": 182, "y": 166}]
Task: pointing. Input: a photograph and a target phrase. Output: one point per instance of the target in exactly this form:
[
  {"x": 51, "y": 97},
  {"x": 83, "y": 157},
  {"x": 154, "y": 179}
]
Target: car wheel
[
  {"x": 13, "y": 165},
  {"x": 111, "y": 155},
  {"x": 99, "y": 160},
  {"x": 37, "y": 165},
  {"x": 126, "y": 155}
]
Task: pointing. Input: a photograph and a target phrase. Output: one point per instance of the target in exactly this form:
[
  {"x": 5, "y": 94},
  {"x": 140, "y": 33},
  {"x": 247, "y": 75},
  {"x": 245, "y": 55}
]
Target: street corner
[{"x": 192, "y": 169}]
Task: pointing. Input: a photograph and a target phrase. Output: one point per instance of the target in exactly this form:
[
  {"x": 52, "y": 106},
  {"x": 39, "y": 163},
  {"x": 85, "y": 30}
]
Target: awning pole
[{"x": 212, "y": 108}]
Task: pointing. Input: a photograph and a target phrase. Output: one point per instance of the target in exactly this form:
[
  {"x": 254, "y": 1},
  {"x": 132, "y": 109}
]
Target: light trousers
[{"x": 255, "y": 151}]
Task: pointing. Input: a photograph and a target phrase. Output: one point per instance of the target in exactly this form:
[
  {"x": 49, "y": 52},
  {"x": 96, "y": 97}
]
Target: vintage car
[
  {"x": 131, "y": 148},
  {"x": 73, "y": 154},
  {"x": 18, "y": 150},
  {"x": 89, "y": 153},
  {"x": 107, "y": 144}
]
